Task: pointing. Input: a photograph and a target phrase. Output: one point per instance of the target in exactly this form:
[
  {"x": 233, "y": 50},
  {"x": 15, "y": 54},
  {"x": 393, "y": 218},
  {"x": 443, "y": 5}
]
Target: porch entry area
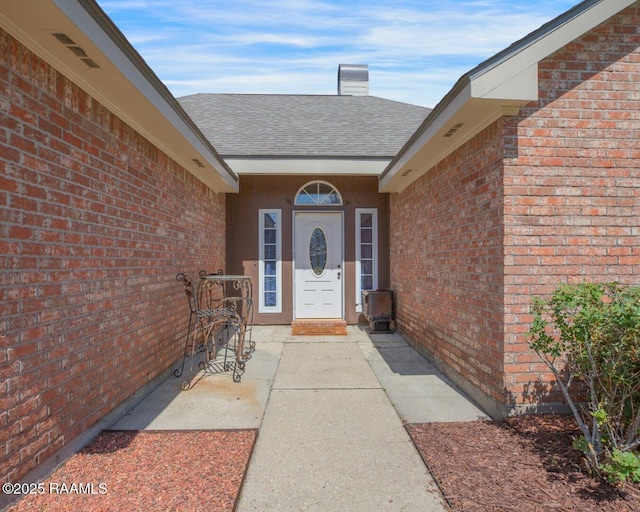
[{"x": 318, "y": 289}]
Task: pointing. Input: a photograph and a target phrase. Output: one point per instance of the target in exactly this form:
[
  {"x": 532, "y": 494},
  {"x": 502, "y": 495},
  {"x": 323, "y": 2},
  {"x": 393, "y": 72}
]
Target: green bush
[
  {"x": 590, "y": 333},
  {"x": 621, "y": 466}
]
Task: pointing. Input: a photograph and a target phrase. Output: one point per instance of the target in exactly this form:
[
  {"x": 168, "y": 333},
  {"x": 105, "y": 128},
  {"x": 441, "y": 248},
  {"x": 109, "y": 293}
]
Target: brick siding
[
  {"x": 95, "y": 223},
  {"x": 446, "y": 261},
  {"x": 478, "y": 235},
  {"x": 572, "y": 185}
]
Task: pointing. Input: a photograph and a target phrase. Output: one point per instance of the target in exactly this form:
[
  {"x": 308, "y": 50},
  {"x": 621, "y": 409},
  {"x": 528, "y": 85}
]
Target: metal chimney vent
[{"x": 353, "y": 80}]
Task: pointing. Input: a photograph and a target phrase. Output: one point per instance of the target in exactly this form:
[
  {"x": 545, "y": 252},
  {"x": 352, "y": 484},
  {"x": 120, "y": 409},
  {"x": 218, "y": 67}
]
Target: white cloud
[{"x": 416, "y": 49}]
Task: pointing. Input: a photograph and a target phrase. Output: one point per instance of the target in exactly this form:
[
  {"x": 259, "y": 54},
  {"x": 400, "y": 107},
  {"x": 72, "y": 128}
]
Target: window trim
[
  {"x": 358, "y": 255},
  {"x": 262, "y": 308}
]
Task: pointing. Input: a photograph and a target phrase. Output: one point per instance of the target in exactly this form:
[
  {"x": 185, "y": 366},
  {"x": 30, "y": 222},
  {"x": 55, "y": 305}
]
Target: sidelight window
[
  {"x": 366, "y": 252},
  {"x": 270, "y": 261}
]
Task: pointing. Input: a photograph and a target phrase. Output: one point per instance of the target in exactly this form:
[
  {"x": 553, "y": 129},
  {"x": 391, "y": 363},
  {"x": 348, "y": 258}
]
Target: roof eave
[
  {"x": 498, "y": 87},
  {"x": 454, "y": 121},
  {"x": 123, "y": 82}
]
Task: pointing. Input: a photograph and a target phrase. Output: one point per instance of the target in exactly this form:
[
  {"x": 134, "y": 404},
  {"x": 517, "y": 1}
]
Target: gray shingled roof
[{"x": 275, "y": 125}]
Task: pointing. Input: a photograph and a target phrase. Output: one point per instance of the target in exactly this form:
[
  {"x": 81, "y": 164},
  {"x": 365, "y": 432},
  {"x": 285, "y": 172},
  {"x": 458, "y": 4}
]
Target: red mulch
[
  {"x": 148, "y": 471},
  {"x": 525, "y": 463}
]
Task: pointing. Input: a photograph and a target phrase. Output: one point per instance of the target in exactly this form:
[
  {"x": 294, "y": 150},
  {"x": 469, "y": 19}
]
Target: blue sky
[{"x": 416, "y": 50}]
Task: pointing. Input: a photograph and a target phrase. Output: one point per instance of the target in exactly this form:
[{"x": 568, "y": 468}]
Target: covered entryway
[
  {"x": 318, "y": 261},
  {"x": 262, "y": 223}
]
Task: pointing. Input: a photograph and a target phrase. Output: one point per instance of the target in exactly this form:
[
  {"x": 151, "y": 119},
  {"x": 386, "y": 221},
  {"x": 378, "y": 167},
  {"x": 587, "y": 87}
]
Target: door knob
[{"x": 339, "y": 273}]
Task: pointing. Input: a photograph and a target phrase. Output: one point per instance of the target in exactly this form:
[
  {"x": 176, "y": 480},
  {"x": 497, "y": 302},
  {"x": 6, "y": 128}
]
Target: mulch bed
[
  {"x": 148, "y": 471},
  {"x": 525, "y": 463}
]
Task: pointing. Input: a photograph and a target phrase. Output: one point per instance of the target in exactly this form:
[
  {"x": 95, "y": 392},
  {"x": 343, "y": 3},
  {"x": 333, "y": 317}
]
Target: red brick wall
[
  {"x": 570, "y": 190},
  {"x": 95, "y": 223},
  {"x": 572, "y": 184},
  {"x": 446, "y": 260}
]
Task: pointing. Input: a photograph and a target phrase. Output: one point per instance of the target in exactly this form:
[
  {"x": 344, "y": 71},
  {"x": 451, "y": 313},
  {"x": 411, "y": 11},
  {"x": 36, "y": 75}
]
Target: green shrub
[
  {"x": 591, "y": 333},
  {"x": 622, "y": 465}
]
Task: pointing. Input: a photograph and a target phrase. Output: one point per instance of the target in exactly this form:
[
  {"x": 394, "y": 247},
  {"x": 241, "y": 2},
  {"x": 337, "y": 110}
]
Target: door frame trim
[{"x": 293, "y": 257}]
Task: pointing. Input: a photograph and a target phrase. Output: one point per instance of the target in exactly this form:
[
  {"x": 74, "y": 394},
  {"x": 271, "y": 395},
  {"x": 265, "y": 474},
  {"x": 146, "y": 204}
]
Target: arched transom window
[{"x": 318, "y": 193}]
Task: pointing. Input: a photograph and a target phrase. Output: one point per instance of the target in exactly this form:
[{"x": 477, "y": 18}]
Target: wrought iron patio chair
[
  {"x": 236, "y": 294},
  {"x": 212, "y": 296},
  {"x": 203, "y": 332}
]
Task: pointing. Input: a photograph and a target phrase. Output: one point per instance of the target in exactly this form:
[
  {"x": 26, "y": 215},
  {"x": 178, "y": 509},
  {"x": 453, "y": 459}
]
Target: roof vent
[
  {"x": 63, "y": 38},
  {"x": 75, "y": 49},
  {"x": 353, "y": 80},
  {"x": 453, "y": 129}
]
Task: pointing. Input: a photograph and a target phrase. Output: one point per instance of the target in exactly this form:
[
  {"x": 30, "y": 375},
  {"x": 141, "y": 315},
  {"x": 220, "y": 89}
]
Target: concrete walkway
[{"x": 330, "y": 414}]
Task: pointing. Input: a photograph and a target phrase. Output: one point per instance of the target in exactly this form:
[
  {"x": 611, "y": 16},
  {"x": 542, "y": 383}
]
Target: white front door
[{"x": 317, "y": 276}]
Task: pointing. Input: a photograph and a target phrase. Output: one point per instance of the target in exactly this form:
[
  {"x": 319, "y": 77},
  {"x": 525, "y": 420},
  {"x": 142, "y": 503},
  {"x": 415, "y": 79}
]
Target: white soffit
[
  {"x": 496, "y": 88},
  {"x": 122, "y": 82},
  {"x": 297, "y": 166}
]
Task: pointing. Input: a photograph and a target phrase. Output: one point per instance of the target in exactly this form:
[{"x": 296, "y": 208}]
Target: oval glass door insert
[{"x": 318, "y": 251}]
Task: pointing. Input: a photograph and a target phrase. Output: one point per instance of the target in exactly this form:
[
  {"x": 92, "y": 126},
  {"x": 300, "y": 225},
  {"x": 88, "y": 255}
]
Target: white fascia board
[
  {"x": 315, "y": 166},
  {"x": 522, "y": 85}
]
